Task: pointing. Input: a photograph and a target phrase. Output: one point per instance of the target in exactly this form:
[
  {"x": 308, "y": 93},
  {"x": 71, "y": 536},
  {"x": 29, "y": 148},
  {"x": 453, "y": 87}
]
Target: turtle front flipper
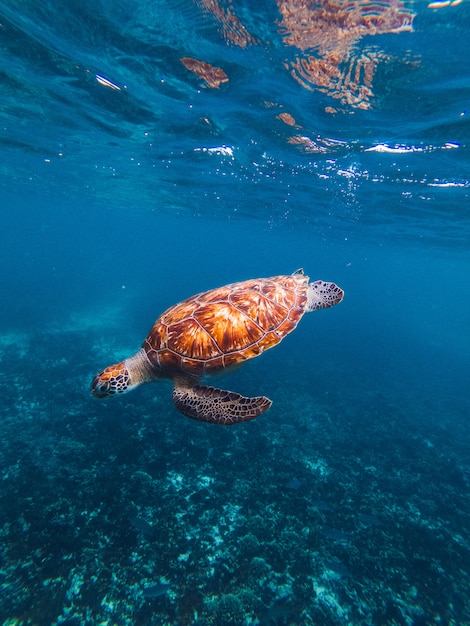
[{"x": 216, "y": 406}]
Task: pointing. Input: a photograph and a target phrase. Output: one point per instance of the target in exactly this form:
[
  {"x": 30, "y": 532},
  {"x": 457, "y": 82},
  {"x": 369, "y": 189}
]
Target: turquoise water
[{"x": 333, "y": 136}]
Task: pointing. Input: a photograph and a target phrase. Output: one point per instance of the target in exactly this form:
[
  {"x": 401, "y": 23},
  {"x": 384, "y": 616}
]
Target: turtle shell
[{"x": 224, "y": 327}]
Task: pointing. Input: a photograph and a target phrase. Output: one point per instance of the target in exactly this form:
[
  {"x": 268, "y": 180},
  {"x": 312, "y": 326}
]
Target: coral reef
[{"x": 127, "y": 514}]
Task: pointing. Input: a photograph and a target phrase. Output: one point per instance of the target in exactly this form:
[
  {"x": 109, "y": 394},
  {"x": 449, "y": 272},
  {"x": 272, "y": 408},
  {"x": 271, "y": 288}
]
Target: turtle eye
[{"x": 100, "y": 389}]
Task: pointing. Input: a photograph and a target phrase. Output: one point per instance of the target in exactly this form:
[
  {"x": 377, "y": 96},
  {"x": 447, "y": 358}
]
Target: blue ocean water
[{"x": 153, "y": 150}]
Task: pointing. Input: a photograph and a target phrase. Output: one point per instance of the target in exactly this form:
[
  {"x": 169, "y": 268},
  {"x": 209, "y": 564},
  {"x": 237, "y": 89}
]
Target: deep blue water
[{"x": 334, "y": 136}]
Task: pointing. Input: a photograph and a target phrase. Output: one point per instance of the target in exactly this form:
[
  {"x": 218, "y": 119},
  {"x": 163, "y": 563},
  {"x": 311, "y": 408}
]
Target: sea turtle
[{"x": 215, "y": 331}]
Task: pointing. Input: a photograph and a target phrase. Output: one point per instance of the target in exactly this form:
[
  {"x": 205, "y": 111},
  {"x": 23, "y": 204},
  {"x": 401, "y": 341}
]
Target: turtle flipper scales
[{"x": 216, "y": 406}]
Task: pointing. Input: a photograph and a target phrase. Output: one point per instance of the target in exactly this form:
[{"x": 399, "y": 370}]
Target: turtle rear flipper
[
  {"x": 322, "y": 295},
  {"x": 216, "y": 406}
]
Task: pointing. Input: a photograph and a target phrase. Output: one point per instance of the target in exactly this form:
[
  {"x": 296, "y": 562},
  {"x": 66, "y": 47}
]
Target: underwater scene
[{"x": 151, "y": 150}]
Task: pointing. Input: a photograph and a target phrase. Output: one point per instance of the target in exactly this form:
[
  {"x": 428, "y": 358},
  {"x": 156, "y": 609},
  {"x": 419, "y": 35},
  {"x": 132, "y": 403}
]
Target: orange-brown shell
[{"x": 224, "y": 327}]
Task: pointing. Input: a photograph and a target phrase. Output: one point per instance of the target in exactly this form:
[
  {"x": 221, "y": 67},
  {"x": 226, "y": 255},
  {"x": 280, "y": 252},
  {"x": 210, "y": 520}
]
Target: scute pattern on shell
[{"x": 224, "y": 327}]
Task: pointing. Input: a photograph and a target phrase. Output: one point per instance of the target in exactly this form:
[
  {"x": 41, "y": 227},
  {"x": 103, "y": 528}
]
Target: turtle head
[{"x": 111, "y": 381}]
